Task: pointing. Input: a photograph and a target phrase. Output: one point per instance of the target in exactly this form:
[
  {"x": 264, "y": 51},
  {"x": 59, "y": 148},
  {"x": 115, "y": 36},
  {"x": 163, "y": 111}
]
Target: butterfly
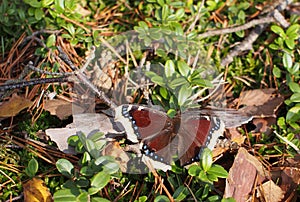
[{"x": 162, "y": 139}]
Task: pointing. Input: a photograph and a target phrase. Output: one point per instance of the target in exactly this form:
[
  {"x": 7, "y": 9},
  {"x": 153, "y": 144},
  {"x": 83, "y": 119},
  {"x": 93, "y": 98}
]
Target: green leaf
[
  {"x": 293, "y": 114},
  {"x": 278, "y": 30},
  {"x": 290, "y": 43},
  {"x": 35, "y": 3},
  {"x": 169, "y": 68},
  {"x": 281, "y": 123},
  {"x": 183, "y": 68},
  {"x": 178, "y": 29},
  {"x": 202, "y": 82},
  {"x": 228, "y": 200},
  {"x": 294, "y": 70},
  {"x": 98, "y": 182},
  {"x": 82, "y": 182},
  {"x": 295, "y": 97},
  {"x": 178, "y": 82},
  {"x": 158, "y": 80},
  {"x": 108, "y": 163},
  {"x": 183, "y": 95},
  {"x": 90, "y": 146},
  {"x": 87, "y": 171},
  {"x": 180, "y": 193},
  {"x": 171, "y": 113},
  {"x": 161, "y": 198},
  {"x": 218, "y": 171},
  {"x": 179, "y": 13},
  {"x": 206, "y": 159},
  {"x": 83, "y": 197},
  {"x": 203, "y": 176},
  {"x": 161, "y": 53},
  {"x": 86, "y": 158},
  {"x": 32, "y": 168},
  {"x": 165, "y": 12},
  {"x": 65, "y": 195},
  {"x": 143, "y": 25},
  {"x": 295, "y": 87},
  {"x": 38, "y": 14},
  {"x": 276, "y": 72},
  {"x": 155, "y": 33},
  {"x": 274, "y": 46},
  {"x": 293, "y": 31},
  {"x": 96, "y": 136},
  {"x": 99, "y": 199},
  {"x": 46, "y": 3},
  {"x": 60, "y": 4},
  {"x": 51, "y": 40},
  {"x": 287, "y": 60},
  {"x": 163, "y": 92},
  {"x": 211, "y": 177},
  {"x": 70, "y": 29},
  {"x": 161, "y": 2},
  {"x": 241, "y": 16},
  {"x": 65, "y": 167},
  {"x": 194, "y": 170}
]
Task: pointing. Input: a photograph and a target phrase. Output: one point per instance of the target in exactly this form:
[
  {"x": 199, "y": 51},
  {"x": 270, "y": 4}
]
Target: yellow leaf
[{"x": 36, "y": 191}]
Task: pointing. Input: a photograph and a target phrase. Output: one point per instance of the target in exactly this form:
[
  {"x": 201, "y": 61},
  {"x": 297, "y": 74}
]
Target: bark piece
[{"x": 244, "y": 174}]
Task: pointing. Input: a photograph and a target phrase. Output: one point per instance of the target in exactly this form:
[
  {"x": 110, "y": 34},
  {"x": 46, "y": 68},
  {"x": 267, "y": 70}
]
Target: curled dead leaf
[
  {"x": 35, "y": 190},
  {"x": 13, "y": 106}
]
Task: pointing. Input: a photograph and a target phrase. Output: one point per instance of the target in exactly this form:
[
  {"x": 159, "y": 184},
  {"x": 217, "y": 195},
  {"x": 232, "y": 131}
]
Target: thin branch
[
  {"x": 82, "y": 77},
  {"x": 21, "y": 84},
  {"x": 197, "y": 17},
  {"x": 237, "y": 28},
  {"x": 254, "y": 34}
]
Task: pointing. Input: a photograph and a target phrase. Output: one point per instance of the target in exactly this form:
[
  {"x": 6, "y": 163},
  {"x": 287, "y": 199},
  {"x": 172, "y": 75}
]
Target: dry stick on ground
[
  {"x": 64, "y": 76},
  {"x": 82, "y": 78},
  {"x": 254, "y": 34}
]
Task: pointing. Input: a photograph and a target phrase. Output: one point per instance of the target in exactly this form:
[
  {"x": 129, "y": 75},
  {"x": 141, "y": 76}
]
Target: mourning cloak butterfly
[{"x": 162, "y": 138}]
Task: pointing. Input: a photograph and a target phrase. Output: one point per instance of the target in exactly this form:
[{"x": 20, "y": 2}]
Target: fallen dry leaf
[
  {"x": 13, "y": 106},
  {"x": 270, "y": 192},
  {"x": 60, "y": 108},
  {"x": 261, "y": 102},
  {"x": 35, "y": 190},
  {"x": 289, "y": 180},
  {"x": 115, "y": 150}
]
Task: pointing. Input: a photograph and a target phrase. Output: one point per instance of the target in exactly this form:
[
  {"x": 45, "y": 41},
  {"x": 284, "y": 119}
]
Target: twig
[
  {"x": 82, "y": 78},
  {"x": 33, "y": 68},
  {"x": 288, "y": 142},
  {"x": 197, "y": 17},
  {"x": 34, "y": 34},
  {"x": 112, "y": 49},
  {"x": 254, "y": 34},
  {"x": 237, "y": 28},
  {"x": 31, "y": 82},
  {"x": 75, "y": 23}
]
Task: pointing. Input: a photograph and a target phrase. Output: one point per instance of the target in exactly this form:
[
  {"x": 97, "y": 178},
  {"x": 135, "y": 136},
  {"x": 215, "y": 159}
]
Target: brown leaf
[
  {"x": 263, "y": 125},
  {"x": 260, "y": 102},
  {"x": 14, "y": 105},
  {"x": 115, "y": 150},
  {"x": 289, "y": 180},
  {"x": 35, "y": 190},
  {"x": 60, "y": 108},
  {"x": 270, "y": 192}
]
